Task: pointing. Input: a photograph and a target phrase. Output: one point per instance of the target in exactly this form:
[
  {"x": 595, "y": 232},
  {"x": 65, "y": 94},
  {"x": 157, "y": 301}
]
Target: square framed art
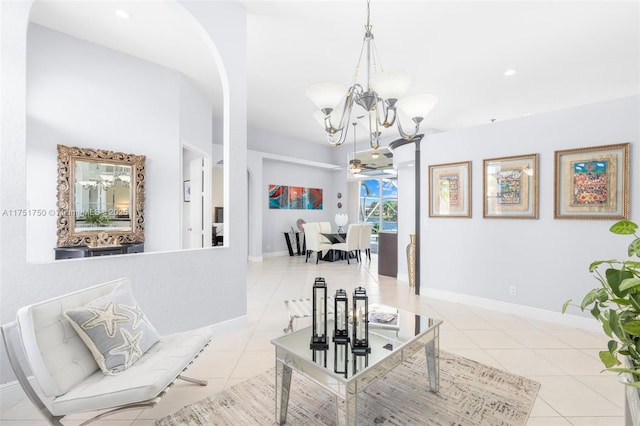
[
  {"x": 450, "y": 190},
  {"x": 511, "y": 187},
  {"x": 592, "y": 183}
]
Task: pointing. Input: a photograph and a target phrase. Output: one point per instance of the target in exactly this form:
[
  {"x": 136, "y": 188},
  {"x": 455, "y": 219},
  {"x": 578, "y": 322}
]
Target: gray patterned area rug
[{"x": 471, "y": 394}]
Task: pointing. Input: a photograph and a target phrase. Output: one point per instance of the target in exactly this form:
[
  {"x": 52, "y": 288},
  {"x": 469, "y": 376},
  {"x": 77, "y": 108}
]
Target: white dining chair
[
  {"x": 351, "y": 243},
  {"x": 313, "y": 241},
  {"x": 365, "y": 240}
]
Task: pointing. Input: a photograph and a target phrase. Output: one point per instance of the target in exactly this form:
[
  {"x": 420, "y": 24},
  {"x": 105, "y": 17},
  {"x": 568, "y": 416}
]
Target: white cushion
[
  {"x": 144, "y": 380},
  {"x": 114, "y": 328},
  {"x": 58, "y": 358}
]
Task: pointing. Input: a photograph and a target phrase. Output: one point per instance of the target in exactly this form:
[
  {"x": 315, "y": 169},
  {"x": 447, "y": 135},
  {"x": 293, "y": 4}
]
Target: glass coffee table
[{"x": 340, "y": 372}]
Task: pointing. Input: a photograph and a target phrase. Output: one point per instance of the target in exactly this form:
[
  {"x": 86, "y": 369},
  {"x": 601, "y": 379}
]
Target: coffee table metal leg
[
  {"x": 347, "y": 409},
  {"x": 433, "y": 367},
  {"x": 283, "y": 385}
]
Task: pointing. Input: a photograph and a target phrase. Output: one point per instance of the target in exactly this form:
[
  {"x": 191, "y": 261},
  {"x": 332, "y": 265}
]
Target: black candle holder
[
  {"x": 341, "y": 332},
  {"x": 360, "y": 339},
  {"x": 341, "y": 315},
  {"x": 319, "y": 329}
]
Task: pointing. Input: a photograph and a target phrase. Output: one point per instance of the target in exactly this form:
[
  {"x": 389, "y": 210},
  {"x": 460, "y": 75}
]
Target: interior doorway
[{"x": 196, "y": 198}]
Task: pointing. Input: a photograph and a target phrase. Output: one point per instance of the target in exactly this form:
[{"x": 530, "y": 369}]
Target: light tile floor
[{"x": 564, "y": 360}]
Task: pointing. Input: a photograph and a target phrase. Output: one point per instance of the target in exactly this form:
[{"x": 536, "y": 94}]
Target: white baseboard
[
  {"x": 568, "y": 320},
  {"x": 229, "y": 326},
  {"x": 275, "y": 254},
  {"x": 401, "y": 276}
]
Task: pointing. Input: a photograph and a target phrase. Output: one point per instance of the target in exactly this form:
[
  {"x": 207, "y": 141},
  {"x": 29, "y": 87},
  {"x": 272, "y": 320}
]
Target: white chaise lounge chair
[{"x": 68, "y": 377}]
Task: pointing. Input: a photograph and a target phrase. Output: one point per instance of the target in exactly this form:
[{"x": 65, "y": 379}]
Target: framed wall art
[
  {"x": 450, "y": 190},
  {"x": 592, "y": 183},
  {"x": 511, "y": 187}
]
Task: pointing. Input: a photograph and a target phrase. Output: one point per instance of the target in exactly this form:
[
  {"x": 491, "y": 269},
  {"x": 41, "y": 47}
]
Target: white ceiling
[{"x": 566, "y": 53}]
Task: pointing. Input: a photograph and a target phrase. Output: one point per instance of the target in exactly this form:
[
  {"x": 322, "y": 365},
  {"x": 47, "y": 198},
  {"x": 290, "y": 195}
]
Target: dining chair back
[
  {"x": 324, "y": 228},
  {"x": 352, "y": 241},
  {"x": 313, "y": 242},
  {"x": 365, "y": 240}
]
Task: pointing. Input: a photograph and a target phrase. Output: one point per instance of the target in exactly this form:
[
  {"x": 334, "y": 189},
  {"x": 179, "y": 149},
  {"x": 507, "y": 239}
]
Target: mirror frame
[{"x": 67, "y": 235}]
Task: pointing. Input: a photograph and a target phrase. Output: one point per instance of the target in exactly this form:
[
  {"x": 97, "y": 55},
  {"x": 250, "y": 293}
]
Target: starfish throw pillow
[{"x": 115, "y": 329}]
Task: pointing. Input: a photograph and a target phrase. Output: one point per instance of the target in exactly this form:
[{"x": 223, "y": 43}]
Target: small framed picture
[
  {"x": 592, "y": 183},
  {"x": 450, "y": 190},
  {"x": 186, "y": 191},
  {"x": 511, "y": 187}
]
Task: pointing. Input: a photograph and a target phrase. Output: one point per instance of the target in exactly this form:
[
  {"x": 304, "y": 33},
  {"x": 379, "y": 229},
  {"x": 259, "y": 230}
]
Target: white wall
[
  {"x": 406, "y": 205},
  {"x": 546, "y": 259},
  {"x": 81, "y": 94},
  {"x": 177, "y": 290},
  {"x": 278, "y": 221},
  {"x": 274, "y": 159}
]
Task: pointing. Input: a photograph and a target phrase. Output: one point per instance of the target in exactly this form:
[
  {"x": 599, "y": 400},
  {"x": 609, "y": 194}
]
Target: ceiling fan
[
  {"x": 355, "y": 165},
  {"x": 376, "y": 162}
]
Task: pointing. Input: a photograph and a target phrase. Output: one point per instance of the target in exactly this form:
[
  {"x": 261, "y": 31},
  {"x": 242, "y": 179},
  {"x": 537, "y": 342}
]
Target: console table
[
  {"x": 287, "y": 238},
  {"x": 78, "y": 252}
]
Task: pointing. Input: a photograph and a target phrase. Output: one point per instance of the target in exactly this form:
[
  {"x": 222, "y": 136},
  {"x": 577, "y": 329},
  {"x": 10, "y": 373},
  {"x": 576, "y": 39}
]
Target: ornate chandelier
[{"x": 380, "y": 96}]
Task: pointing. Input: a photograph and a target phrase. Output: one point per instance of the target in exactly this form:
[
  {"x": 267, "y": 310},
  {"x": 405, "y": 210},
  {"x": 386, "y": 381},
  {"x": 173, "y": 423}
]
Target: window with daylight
[{"x": 379, "y": 205}]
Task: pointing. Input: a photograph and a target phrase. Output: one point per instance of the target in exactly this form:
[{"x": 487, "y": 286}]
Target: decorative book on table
[{"x": 383, "y": 317}]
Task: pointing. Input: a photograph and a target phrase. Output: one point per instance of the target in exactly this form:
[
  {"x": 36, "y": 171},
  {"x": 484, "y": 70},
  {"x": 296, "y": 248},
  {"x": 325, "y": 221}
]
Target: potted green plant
[
  {"x": 95, "y": 217},
  {"x": 616, "y": 305}
]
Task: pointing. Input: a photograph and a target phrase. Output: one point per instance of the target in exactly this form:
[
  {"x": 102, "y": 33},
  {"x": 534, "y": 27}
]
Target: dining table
[{"x": 334, "y": 238}]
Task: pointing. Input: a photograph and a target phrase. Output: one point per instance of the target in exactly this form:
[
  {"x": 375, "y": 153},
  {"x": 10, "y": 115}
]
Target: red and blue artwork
[
  {"x": 294, "y": 197},
  {"x": 314, "y": 199},
  {"x": 590, "y": 183},
  {"x": 278, "y": 197},
  {"x": 297, "y": 197}
]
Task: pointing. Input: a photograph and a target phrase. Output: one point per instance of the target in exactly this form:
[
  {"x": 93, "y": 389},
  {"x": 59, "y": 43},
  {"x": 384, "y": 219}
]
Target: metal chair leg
[{"x": 192, "y": 380}]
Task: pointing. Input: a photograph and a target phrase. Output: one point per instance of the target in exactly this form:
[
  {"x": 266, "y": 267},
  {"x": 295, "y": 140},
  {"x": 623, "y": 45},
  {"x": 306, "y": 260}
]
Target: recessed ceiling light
[
  {"x": 121, "y": 13},
  {"x": 509, "y": 73}
]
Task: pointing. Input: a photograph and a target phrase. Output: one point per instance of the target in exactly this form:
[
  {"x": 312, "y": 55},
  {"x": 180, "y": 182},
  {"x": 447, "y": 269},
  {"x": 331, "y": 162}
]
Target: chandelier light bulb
[
  {"x": 391, "y": 84},
  {"x": 417, "y": 106},
  {"x": 326, "y": 95}
]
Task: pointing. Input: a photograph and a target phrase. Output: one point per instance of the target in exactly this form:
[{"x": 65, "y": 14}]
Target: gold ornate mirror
[{"x": 100, "y": 197}]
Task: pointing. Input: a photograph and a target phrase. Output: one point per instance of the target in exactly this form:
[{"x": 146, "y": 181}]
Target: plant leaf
[
  {"x": 608, "y": 359},
  {"x": 632, "y": 327},
  {"x": 624, "y": 227},
  {"x": 615, "y": 277},
  {"x": 603, "y": 296},
  {"x": 621, "y": 302},
  {"x": 620, "y": 370},
  {"x": 634, "y": 299},
  {"x": 589, "y": 298},
  {"x": 634, "y": 247},
  {"x": 565, "y": 305},
  {"x": 615, "y": 325},
  {"x": 629, "y": 283},
  {"x": 632, "y": 265},
  {"x": 597, "y": 263},
  {"x": 612, "y": 345}
]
